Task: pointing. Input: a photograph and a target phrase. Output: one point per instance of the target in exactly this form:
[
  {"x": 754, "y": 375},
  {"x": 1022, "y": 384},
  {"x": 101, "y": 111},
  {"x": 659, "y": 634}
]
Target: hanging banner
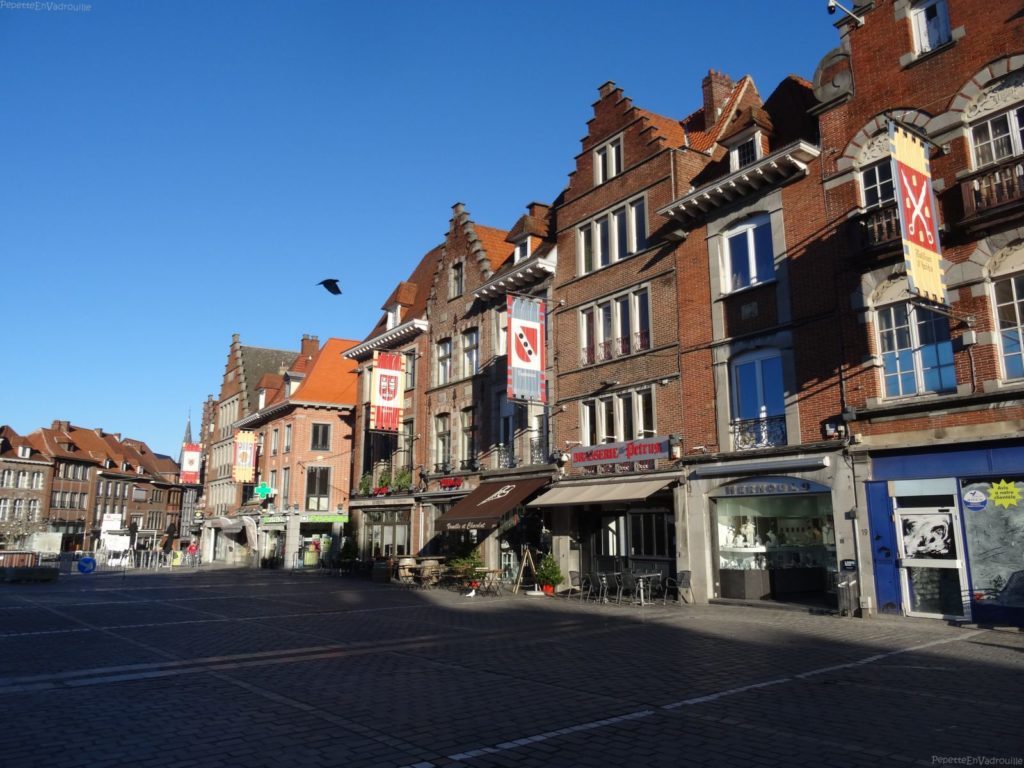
[
  {"x": 918, "y": 212},
  {"x": 190, "y": 463},
  {"x": 386, "y": 392},
  {"x": 525, "y": 346},
  {"x": 244, "y": 467}
]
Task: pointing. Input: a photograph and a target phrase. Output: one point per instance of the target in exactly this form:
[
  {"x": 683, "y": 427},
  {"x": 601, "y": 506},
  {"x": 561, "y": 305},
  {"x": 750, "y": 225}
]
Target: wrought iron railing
[
  {"x": 539, "y": 453},
  {"x": 442, "y": 468},
  {"x": 468, "y": 465},
  {"x": 758, "y": 433},
  {"x": 620, "y": 346},
  {"x": 505, "y": 456},
  {"x": 993, "y": 187}
]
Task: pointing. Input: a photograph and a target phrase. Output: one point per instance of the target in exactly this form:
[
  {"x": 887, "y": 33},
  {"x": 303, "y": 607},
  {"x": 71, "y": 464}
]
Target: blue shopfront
[{"x": 947, "y": 532}]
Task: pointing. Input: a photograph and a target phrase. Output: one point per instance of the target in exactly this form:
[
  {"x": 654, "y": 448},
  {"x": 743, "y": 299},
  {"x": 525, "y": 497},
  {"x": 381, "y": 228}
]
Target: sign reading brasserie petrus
[{"x": 645, "y": 449}]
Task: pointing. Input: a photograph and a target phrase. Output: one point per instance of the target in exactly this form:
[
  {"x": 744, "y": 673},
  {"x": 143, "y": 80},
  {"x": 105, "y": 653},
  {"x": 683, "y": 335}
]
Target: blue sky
[{"x": 173, "y": 172}]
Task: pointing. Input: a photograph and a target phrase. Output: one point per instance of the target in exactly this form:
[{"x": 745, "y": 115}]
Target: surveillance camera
[{"x": 831, "y": 6}]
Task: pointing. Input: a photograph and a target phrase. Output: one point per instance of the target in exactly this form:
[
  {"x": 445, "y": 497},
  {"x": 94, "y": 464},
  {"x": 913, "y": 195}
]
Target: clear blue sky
[{"x": 175, "y": 171}]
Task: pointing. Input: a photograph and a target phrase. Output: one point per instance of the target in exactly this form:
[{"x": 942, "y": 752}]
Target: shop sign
[
  {"x": 772, "y": 486},
  {"x": 267, "y": 519},
  {"x": 310, "y": 518},
  {"x": 975, "y": 500},
  {"x": 450, "y": 483},
  {"x": 848, "y": 565},
  {"x": 647, "y": 449}
]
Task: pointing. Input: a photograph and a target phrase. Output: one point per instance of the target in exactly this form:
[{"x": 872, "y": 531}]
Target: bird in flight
[{"x": 331, "y": 284}]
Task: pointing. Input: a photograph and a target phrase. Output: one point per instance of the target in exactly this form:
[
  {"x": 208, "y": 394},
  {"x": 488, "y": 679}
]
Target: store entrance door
[{"x": 931, "y": 564}]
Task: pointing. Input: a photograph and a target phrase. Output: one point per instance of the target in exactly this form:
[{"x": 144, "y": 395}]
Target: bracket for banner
[
  {"x": 944, "y": 310},
  {"x": 943, "y": 148}
]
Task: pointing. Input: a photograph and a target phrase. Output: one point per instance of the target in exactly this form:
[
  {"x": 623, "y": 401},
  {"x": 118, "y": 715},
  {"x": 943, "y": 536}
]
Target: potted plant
[
  {"x": 402, "y": 480},
  {"x": 464, "y": 568},
  {"x": 366, "y": 485},
  {"x": 383, "y": 487},
  {"x": 549, "y": 575}
]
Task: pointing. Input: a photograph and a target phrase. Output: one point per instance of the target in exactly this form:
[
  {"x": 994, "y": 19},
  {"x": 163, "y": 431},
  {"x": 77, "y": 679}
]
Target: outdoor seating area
[{"x": 634, "y": 587}]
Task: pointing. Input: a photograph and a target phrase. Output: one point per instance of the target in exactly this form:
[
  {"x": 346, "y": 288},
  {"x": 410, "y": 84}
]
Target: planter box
[
  {"x": 744, "y": 585},
  {"x": 29, "y": 573}
]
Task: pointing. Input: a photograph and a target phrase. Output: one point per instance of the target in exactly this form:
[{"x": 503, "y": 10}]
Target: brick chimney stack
[
  {"x": 310, "y": 345},
  {"x": 716, "y": 87}
]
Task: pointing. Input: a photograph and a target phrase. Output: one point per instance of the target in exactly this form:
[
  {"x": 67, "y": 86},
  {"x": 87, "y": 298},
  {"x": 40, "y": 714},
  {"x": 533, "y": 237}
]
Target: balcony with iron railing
[
  {"x": 442, "y": 467},
  {"x": 993, "y": 187},
  {"x": 765, "y": 432},
  {"x": 539, "y": 452},
  {"x": 505, "y": 456},
  {"x": 468, "y": 465},
  {"x": 620, "y": 346}
]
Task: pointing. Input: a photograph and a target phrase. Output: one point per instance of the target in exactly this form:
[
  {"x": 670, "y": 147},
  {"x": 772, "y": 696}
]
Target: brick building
[
  {"x": 304, "y": 433},
  {"x": 25, "y": 476},
  {"x": 931, "y": 392}
]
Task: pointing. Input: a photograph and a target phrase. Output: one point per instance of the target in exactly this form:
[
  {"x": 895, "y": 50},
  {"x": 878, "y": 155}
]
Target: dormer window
[
  {"x": 262, "y": 399},
  {"x": 393, "y": 316},
  {"x": 522, "y": 251},
  {"x": 608, "y": 160},
  {"x": 290, "y": 385},
  {"x": 745, "y": 153},
  {"x": 24, "y": 451},
  {"x": 124, "y": 466}
]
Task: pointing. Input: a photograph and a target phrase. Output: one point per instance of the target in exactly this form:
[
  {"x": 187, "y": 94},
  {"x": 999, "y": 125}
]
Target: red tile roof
[{"x": 332, "y": 378}]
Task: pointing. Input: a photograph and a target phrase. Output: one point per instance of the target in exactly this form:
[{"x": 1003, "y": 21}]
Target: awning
[
  {"x": 226, "y": 524},
  {"x": 250, "y": 531},
  {"x": 485, "y": 506},
  {"x": 598, "y": 493}
]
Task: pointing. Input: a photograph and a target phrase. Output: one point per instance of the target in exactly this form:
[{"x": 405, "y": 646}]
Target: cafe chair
[
  {"x": 598, "y": 587},
  {"x": 627, "y": 587},
  {"x": 677, "y": 585},
  {"x": 575, "y": 585}
]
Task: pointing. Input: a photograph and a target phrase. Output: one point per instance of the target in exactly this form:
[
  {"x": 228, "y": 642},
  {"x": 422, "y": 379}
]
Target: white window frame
[
  {"x": 601, "y": 325},
  {"x": 607, "y": 419},
  {"x": 747, "y": 228},
  {"x": 522, "y": 250},
  {"x": 608, "y": 161},
  {"x": 869, "y": 180},
  {"x": 600, "y": 241},
  {"x": 1009, "y": 322},
  {"x": 752, "y": 140},
  {"x": 924, "y": 41},
  {"x": 1014, "y": 118},
  {"x": 443, "y": 372},
  {"x": 914, "y": 345},
  {"x": 470, "y": 352},
  {"x": 443, "y": 439}
]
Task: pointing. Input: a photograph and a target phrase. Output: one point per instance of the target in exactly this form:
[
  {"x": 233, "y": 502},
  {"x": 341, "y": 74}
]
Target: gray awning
[
  {"x": 598, "y": 493},
  {"x": 226, "y": 524}
]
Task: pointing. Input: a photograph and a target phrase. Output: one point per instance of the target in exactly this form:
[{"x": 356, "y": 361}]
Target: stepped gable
[
  {"x": 255, "y": 361},
  {"x": 487, "y": 245},
  {"x": 661, "y": 129},
  {"x": 332, "y": 379}
]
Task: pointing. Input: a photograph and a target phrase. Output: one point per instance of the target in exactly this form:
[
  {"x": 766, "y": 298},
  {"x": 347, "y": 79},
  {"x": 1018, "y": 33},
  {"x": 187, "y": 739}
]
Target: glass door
[{"x": 931, "y": 564}]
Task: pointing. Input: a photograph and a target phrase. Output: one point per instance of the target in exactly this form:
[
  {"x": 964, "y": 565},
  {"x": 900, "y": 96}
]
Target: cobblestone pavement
[{"x": 269, "y": 668}]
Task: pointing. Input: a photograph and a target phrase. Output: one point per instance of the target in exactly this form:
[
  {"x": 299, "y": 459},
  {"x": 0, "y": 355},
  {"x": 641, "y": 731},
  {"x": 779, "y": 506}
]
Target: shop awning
[
  {"x": 226, "y": 524},
  {"x": 598, "y": 493},
  {"x": 485, "y": 506}
]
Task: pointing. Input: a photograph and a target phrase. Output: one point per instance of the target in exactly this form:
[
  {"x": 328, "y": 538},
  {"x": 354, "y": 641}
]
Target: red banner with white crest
[{"x": 386, "y": 392}]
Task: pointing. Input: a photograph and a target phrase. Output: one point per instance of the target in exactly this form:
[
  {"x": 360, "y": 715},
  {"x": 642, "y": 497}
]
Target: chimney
[
  {"x": 310, "y": 345},
  {"x": 61, "y": 426},
  {"x": 716, "y": 87},
  {"x": 538, "y": 210}
]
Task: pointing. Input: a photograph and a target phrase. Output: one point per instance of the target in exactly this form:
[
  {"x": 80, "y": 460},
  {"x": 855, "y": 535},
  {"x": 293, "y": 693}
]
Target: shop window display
[
  {"x": 994, "y": 526},
  {"x": 776, "y": 546}
]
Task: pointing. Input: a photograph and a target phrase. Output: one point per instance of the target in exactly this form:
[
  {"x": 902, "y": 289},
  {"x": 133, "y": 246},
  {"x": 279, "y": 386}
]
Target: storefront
[
  {"x": 384, "y": 525},
  {"x": 777, "y": 529},
  {"x": 614, "y": 523},
  {"x": 492, "y": 517},
  {"x": 949, "y": 544}
]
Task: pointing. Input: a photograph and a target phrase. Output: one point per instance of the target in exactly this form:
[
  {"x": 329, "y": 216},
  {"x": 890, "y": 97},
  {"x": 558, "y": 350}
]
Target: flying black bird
[{"x": 331, "y": 284}]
